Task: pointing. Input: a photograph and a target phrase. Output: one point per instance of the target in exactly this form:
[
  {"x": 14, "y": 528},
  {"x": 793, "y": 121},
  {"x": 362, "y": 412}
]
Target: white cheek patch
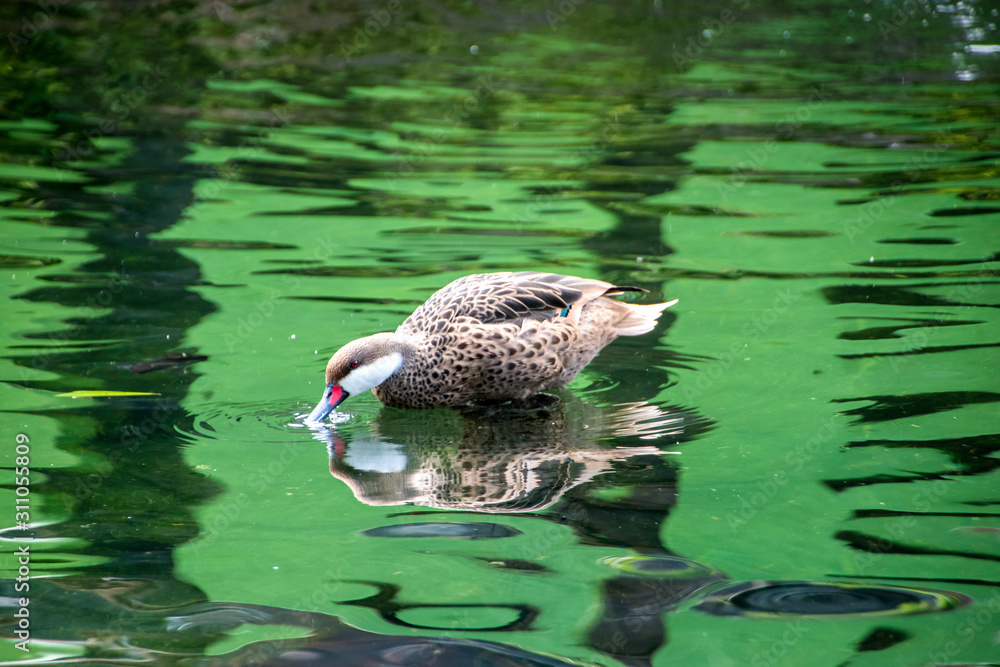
[{"x": 371, "y": 375}]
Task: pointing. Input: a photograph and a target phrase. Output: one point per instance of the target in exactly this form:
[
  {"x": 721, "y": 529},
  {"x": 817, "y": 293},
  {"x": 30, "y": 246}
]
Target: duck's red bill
[{"x": 332, "y": 397}]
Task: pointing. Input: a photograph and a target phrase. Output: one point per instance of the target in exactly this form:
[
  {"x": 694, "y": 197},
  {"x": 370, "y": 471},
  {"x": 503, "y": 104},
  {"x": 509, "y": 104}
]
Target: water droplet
[
  {"x": 786, "y": 35},
  {"x": 866, "y": 18},
  {"x": 850, "y": 13},
  {"x": 849, "y": 39},
  {"x": 473, "y": 49}
]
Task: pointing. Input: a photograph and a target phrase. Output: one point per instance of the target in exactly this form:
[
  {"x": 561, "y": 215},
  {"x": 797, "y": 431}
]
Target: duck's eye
[{"x": 354, "y": 364}]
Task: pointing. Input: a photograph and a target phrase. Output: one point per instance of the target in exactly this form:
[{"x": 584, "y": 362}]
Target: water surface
[{"x": 201, "y": 203}]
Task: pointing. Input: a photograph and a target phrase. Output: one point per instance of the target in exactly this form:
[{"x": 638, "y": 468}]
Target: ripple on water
[
  {"x": 670, "y": 567},
  {"x": 469, "y": 617},
  {"x": 804, "y": 598},
  {"x": 257, "y": 421}
]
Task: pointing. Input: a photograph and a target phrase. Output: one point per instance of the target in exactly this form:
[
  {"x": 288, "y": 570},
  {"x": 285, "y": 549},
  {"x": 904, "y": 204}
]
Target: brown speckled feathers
[
  {"x": 489, "y": 298},
  {"x": 498, "y": 336}
]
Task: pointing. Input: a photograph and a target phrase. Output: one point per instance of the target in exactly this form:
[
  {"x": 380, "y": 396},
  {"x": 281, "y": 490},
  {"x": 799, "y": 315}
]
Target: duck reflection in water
[{"x": 512, "y": 457}]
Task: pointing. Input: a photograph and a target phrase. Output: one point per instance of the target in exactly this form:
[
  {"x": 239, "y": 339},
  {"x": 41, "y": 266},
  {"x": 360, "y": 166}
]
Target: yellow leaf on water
[{"x": 98, "y": 393}]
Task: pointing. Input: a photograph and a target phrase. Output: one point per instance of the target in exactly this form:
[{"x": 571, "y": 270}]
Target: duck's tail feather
[{"x": 640, "y": 319}]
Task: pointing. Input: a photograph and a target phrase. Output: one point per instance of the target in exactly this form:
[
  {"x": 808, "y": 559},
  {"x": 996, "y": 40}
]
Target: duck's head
[{"x": 357, "y": 367}]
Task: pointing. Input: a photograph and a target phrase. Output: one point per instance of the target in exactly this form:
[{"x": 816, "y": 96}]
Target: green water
[{"x": 201, "y": 202}]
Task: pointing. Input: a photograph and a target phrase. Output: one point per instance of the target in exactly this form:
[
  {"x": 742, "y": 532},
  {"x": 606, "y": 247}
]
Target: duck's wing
[{"x": 489, "y": 298}]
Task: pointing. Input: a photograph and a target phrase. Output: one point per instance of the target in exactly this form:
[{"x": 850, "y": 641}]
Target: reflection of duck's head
[
  {"x": 490, "y": 336},
  {"x": 500, "y": 458}
]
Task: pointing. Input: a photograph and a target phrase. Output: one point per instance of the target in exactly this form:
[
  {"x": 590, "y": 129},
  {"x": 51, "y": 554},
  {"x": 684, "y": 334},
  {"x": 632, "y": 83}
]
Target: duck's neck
[
  {"x": 402, "y": 344},
  {"x": 401, "y": 387}
]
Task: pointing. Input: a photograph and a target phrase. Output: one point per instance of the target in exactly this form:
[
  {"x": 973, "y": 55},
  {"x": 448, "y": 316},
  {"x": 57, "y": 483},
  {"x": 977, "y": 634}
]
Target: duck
[{"x": 487, "y": 337}]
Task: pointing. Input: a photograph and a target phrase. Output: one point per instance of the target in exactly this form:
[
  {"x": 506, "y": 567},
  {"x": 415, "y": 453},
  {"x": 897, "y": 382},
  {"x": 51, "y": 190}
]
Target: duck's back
[{"x": 491, "y": 298}]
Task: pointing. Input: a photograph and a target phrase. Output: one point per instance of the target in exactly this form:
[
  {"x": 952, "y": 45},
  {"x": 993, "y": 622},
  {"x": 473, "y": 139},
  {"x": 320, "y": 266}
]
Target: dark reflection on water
[
  {"x": 889, "y": 407},
  {"x": 130, "y": 512},
  {"x": 886, "y": 332},
  {"x": 881, "y": 545},
  {"x": 130, "y": 304},
  {"x": 457, "y": 530},
  {"x": 880, "y": 639},
  {"x": 960, "y": 293},
  {"x": 804, "y": 599},
  {"x": 521, "y": 617},
  {"x": 141, "y": 623},
  {"x": 971, "y": 455}
]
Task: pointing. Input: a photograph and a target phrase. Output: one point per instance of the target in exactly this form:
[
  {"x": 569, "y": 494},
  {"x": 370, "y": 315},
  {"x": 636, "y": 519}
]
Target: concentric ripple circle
[
  {"x": 672, "y": 567},
  {"x": 271, "y": 421},
  {"x": 803, "y": 598}
]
